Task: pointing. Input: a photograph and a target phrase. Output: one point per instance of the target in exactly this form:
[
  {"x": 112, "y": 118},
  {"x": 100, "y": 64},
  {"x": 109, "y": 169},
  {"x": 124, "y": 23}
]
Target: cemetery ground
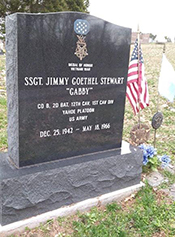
[{"x": 151, "y": 211}]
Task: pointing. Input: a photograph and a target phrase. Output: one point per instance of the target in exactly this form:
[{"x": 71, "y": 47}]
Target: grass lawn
[{"x": 150, "y": 212}]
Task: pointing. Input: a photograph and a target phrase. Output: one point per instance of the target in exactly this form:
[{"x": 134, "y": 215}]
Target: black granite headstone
[{"x": 66, "y": 84}]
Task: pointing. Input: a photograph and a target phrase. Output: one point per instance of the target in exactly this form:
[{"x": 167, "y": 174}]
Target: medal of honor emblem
[{"x": 81, "y": 28}]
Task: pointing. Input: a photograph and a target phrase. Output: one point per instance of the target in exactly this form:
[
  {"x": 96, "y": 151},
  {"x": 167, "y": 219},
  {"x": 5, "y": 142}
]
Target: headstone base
[
  {"x": 34, "y": 190},
  {"x": 86, "y": 205}
]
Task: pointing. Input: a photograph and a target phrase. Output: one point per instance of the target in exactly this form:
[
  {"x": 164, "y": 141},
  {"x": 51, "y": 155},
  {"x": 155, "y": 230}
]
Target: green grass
[
  {"x": 3, "y": 106},
  {"x": 170, "y": 179},
  {"x": 144, "y": 218},
  {"x": 2, "y": 71},
  {"x": 150, "y": 217},
  {"x": 3, "y": 123}
]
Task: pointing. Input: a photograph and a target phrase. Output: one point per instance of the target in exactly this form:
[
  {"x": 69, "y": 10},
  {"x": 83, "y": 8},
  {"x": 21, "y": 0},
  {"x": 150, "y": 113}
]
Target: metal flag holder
[
  {"x": 158, "y": 116},
  {"x": 140, "y": 132}
]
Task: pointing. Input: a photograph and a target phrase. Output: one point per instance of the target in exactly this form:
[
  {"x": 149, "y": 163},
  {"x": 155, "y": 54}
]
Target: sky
[{"x": 153, "y": 16}]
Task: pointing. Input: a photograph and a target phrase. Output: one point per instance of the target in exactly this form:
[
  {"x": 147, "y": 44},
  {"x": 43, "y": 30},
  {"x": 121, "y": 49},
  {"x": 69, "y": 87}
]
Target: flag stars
[{"x": 136, "y": 52}]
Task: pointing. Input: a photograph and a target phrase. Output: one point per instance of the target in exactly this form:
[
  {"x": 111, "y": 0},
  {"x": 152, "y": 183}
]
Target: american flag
[{"x": 137, "y": 88}]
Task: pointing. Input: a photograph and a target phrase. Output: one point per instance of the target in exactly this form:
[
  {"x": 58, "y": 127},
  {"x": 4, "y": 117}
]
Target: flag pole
[
  {"x": 158, "y": 116},
  {"x": 140, "y": 132},
  {"x": 138, "y": 38}
]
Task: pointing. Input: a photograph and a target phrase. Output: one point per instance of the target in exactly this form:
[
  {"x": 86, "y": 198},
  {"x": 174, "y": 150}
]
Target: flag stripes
[{"x": 137, "y": 88}]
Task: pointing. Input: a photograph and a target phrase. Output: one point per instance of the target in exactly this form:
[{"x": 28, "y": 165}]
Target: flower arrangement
[
  {"x": 148, "y": 153},
  {"x": 165, "y": 160},
  {"x": 149, "y": 157}
]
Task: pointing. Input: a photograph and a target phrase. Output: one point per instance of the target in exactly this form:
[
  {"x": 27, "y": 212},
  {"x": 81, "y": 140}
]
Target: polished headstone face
[{"x": 72, "y": 74}]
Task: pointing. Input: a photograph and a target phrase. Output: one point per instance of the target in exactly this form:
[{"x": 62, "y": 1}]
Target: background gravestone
[{"x": 66, "y": 83}]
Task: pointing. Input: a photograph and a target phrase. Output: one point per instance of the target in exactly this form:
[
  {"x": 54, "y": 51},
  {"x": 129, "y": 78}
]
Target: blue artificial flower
[
  {"x": 165, "y": 160},
  {"x": 145, "y": 157},
  {"x": 148, "y": 152},
  {"x": 151, "y": 151},
  {"x": 142, "y": 146}
]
